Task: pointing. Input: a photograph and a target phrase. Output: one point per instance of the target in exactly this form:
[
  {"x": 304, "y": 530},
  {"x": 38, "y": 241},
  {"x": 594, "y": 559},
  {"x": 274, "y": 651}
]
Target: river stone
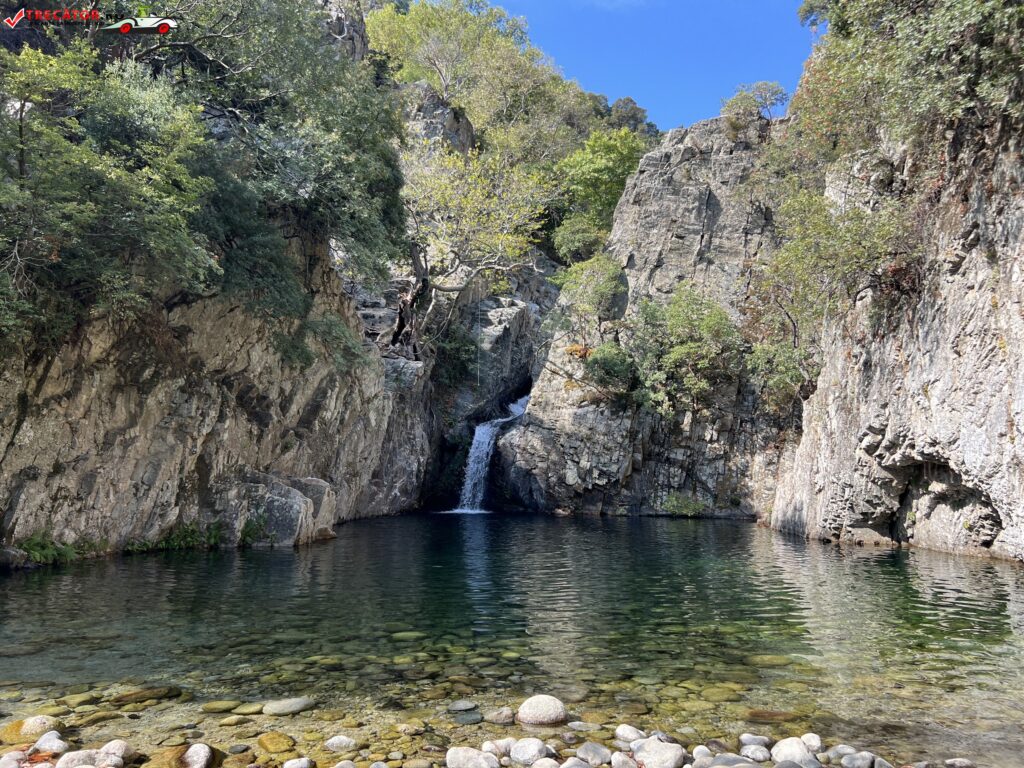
[
  {"x": 503, "y": 716},
  {"x": 80, "y": 699},
  {"x": 50, "y": 742},
  {"x": 813, "y": 742},
  {"x": 628, "y": 733},
  {"x": 546, "y": 762},
  {"x": 345, "y": 764},
  {"x": 880, "y": 763},
  {"x": 30, "y": 729},
  {"x": 756, "y": 752},
  {"x": 79, "y": 758},
  {"x": 146, "y": 694},
  {"x": 622, "y": 760},
  {"x": 462, "y": 705},
  {"x": 573, "y": 762},
  {"x": 283, "y": 707},
  {"x": 528, "y": 751},
  {"x": 747, "y": 739},
  {"x": 468, "y": 718},
  {"x": 579, "y": 725},
  {"x": 299, "y": 762},
  {"x": 795, "y": 750},
  {"x": 542, "y": 710},
  {"x": 838, "y": 752},
  {"x": 220, "y": 706},
  {"x": 858, "y": 760},
  {"x": 341, "y": 743},
  {"x": 700, "y": 751},
  {"x": 417, "y": 762},
  {"x": 595, "y": 754},
  {"x": 959, "y": 762},
  {"x": 728, "y": 760},
  {"x": 197, "y": 756},
  {"x": 467, "y": 757},
  {"x": 275, "y": 741},
  {"x": 654, "y": 753},
  {"x": 249, "y": 708},
  {"x": 119, "y": 748},
  {"x": 499, "y": 747}
]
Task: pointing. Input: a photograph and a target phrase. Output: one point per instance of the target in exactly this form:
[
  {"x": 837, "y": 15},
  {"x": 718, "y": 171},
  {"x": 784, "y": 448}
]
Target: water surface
[{"x": 712, "y": 628}]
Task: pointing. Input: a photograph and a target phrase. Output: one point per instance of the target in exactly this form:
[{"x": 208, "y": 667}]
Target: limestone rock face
[
  {"x": 429, "y": 117},
  {"x": 681, "y": 218},
  {"x": 121, "y": 438},
  {"x": 916, "y": 431}
]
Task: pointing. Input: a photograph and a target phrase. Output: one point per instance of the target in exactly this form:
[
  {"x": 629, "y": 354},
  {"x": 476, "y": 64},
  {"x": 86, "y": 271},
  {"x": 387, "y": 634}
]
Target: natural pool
[{"x": 714, "y": 627}]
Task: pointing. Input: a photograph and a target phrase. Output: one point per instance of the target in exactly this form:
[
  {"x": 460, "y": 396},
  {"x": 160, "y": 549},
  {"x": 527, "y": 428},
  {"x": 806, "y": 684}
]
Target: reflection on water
[{"x": 716, "y": 627}]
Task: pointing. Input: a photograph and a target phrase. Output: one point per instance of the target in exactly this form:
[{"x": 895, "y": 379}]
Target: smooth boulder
[
  {"x": 595, "y": 754},
  {"x": 283, "y": 707},
  {"x": 528, "y": 751},
  {"x": 654, "y": 753},
  {"x": 542, "y": 710},
  {"x": 467, "y": 757}
]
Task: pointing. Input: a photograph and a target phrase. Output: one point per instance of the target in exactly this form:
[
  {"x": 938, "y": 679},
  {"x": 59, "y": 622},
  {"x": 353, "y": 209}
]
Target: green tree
[
  {"x": 474, "y": 214},
  {"x": 626, "y": 113},
  {"x": 595, "y": 175},
  {"x": 683, "y": 350},
  {"x": 97, "y": 193}
]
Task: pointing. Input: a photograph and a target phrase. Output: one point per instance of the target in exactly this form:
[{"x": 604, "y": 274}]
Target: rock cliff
[
  {"x": 123, "y": 438},
  {"x": 682, "y": 217},
  {"x": 915, "y": 432}
]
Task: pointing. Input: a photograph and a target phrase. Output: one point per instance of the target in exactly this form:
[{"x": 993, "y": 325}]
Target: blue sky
[{"x": 677, "y": 58}]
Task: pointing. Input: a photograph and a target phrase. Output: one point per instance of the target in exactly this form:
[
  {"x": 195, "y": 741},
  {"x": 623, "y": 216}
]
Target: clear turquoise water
[{"x": 655, "y": 621}]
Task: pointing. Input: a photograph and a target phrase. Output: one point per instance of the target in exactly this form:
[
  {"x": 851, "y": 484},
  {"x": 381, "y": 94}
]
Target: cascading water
[{"x": 479, "y": 462}]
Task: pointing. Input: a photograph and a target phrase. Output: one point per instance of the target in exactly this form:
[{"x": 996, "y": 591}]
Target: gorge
[{"x": 744, "y": 400}]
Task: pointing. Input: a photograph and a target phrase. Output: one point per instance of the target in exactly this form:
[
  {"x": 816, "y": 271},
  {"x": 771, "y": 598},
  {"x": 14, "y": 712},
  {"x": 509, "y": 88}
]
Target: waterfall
[{"x": 479, "y": 462}]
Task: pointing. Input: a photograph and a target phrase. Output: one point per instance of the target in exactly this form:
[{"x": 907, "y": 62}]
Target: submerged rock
[
  {"x": 283, "y": 707},
  {"x": 595, "y": 754},
  {"x": 528, "y": 751}
]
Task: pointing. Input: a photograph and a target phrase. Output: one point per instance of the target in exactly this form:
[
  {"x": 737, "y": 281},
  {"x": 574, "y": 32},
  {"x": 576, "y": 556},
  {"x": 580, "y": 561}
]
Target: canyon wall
[
  {"x": 683, "y": 217},
  {"x": 916, "y": 431}
]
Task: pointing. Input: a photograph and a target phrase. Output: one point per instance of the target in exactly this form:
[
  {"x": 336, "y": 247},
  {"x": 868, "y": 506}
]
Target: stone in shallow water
[
  {"x": 119, "y": 748},
  {"x": 528, "y": 751},
  {"x": 462, "y": 705},
  {"x": 340, "y": 743},
  {"x": 839, "y": 751},
  {"x": 50, "y": 742},
  {"x": 622, "y": 760},
  {"x": 757, "y": 752},
  {"x": 146, "y": 694},
  {"x": 283, "y": 707},
  {"x": 747, "y": 739},
  {"x": 858, "y": 760},
  {"x": 220, "y": 706},
  {"x": 197, "y": 756},
  {"x": 575, "y": 762},
  {"x": 579, "y": 725},
  {"x": 299, "y": 762},
  {"x": 700, "y": 751},
  {"x": 275, "y": 741},
  {"x": 959, "y": 762},
  {"x": 729, "y": 760},
  {"x": 542, "y": 710},
  {"x": 628, "y": 733},
  {"x": 880, "y": 763},
  {"x": 249, "y": 708},
  {"x": 767, "y": 660},
  {"x": 654, "y": 753},
  {"x": 467, "y": 757},
  {"x": 595, "y": 754},
  {"x": 78, "y": 758},
  {"x": 502, "y": 716},
  {"x": 795, "y": 750},
  {"x": 499, "y": 747},
  {"x": 546, "y": 762},
  {"x": 468, "y": 718},
  {"x": 813, "y": 742},
  {"x": 770, "y": 716}
]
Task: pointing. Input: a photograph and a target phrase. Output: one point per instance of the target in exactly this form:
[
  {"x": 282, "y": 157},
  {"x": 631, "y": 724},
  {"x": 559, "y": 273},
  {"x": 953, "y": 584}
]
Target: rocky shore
[{"x": 165, "y": 727}]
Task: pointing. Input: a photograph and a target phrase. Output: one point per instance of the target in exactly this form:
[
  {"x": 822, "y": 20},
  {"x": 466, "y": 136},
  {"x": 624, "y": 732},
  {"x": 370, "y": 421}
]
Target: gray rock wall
[
  {"x": 915, "y": 433},
  {"x": 681, "y": 218},
  {"x": 123, "y": 437}
]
